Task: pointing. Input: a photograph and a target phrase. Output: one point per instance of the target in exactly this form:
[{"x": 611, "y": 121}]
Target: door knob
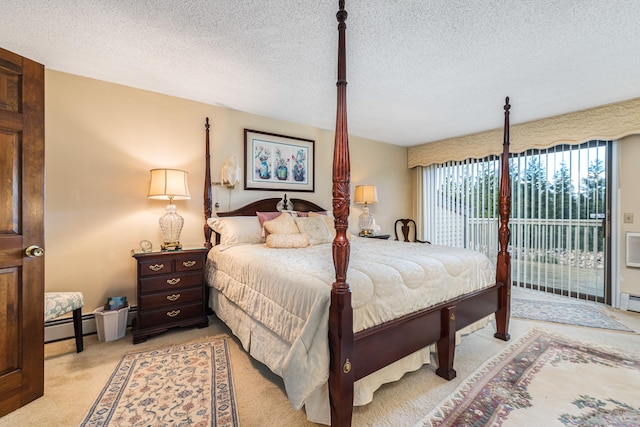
[{"x": 34, "y": 251}]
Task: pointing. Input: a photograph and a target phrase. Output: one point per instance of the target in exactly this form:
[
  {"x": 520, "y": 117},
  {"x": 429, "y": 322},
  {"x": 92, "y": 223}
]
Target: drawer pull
[
  {"x": 173, "y": 281},
  {"x": 173, "y": 297},
  {"x": 173, "y": 313},
  {"x": 188, "y": 263},
  {"x": 156, "y": 267}
]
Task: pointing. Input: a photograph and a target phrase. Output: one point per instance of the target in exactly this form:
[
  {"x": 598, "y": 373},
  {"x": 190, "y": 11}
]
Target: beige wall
[
  {"x": 629, "y": 174},
  {"x": 101, "y": 141}
]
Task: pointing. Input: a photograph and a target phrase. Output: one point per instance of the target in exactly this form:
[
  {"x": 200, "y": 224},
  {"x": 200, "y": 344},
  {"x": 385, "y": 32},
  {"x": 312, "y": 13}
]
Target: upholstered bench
[{"x": 58, "y": 303}]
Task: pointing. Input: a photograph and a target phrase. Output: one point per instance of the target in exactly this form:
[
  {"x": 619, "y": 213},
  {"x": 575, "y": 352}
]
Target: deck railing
[{"x": 554, "y": 254}]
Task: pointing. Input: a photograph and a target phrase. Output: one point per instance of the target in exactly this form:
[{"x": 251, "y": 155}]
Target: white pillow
[
  {"x": 330, "y": 221},
  {"x": 235, "y": 230},
  {"x": 315, "y": 228}
]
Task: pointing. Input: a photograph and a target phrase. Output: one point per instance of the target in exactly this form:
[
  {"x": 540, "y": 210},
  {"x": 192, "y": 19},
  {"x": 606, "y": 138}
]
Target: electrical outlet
[{"x": 628, "y": 218}]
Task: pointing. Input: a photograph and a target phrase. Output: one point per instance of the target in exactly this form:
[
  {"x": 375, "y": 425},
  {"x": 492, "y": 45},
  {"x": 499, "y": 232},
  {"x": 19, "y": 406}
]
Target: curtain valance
[{"x": 608, "y": 122}]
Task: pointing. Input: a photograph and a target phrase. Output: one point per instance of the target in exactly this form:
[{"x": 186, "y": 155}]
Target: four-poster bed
[{"x": 355, "y": 348}]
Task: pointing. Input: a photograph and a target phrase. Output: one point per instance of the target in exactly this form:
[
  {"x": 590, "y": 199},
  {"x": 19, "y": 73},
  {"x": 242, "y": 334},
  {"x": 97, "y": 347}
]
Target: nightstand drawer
[
  {"x": 154, "y": 267},
  {"x": 173, "y": 298},
  {"x": 169, "y": 315},
  {"x": 190, "y": 263},
  {"x": 170, "y": 282}
]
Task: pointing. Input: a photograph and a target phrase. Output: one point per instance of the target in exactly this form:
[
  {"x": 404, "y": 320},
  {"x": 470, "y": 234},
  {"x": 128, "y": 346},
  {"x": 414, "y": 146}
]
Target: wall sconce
[
  {"x": 169, "y": 184},
  {"x": 366, "y": 194},
  {"x": 229, "y": 173}
]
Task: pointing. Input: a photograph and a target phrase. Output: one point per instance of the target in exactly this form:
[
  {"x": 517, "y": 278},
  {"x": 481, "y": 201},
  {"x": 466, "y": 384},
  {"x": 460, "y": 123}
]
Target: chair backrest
[
  {"x": 406, "y": 228},
  {"x": 409, "y": 230}
]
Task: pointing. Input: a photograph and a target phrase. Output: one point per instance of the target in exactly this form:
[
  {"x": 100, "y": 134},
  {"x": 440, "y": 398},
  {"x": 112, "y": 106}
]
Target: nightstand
[
  {"x": 171, "y": 291},
  {"x": 376, "y": 236}
]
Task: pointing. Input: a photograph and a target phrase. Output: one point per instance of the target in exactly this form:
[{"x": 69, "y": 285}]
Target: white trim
[
  {"x": 629, "y": 302},
  {"x": 616, "y": 299},
  {"x": 62, "y": 329}
]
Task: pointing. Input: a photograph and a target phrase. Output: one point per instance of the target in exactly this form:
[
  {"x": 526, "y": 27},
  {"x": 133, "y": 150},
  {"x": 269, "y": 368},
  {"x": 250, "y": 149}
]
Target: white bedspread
[{"x": 286, "y": 294}]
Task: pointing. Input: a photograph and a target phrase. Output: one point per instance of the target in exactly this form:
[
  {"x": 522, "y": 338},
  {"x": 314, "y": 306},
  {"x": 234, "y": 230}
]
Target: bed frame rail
[{"x": 410, "y": 333}]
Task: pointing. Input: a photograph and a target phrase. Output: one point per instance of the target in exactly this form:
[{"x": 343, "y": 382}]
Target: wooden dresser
[{"x": 171, "y": 291}]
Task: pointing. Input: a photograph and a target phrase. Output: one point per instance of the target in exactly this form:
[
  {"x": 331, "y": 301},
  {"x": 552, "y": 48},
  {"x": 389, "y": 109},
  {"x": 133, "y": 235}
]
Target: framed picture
[{"x": 278, "y": 162}]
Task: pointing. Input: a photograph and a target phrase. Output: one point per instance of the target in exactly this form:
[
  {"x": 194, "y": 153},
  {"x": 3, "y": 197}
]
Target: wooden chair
[{"x": 407, "y": 226}]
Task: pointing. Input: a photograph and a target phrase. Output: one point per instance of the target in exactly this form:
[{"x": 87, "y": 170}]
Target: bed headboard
[
  {"x": 272, "y": 205},
  {"x": 265, "y": 205}
]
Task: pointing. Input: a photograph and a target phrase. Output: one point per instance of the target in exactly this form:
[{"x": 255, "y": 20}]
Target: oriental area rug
[
  {"x": 570, "y": 313},
  {"x": 546, "y": 379},
  {"x": 183, "y": 385}
]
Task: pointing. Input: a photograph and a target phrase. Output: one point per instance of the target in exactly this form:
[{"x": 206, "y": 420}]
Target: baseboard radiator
[
  {"x": 629, "y": 302},
  {"x": 62, "y": 328}
]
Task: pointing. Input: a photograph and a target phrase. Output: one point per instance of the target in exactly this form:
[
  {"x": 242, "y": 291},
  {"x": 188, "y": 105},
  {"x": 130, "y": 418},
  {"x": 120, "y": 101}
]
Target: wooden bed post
[
  {"x": 207, "y": 189},
  {"x": 503, "y": 267},
  {"x": 341, "y": 376}
]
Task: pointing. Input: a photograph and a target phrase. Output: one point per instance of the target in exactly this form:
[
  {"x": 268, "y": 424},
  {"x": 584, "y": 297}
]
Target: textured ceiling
[{"x": 418, "y": 71}]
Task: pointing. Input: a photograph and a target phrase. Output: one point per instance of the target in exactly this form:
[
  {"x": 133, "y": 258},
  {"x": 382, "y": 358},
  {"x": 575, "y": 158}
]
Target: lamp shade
[
  {"x": 168, "y": 184},
  {"x": 366, "y": 194}
]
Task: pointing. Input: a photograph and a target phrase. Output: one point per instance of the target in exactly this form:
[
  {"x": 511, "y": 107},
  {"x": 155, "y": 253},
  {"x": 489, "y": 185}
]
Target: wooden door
[{"x": 21, "y": 226}]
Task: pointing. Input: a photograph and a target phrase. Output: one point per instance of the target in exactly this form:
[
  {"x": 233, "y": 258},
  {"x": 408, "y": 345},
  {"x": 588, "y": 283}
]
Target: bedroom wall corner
[
  {"x": 101, "y": 141},
  {"x": 629, "y": 203}
]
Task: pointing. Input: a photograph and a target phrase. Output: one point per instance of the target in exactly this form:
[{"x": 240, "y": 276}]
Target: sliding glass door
[{"x": 559, "y": 215}]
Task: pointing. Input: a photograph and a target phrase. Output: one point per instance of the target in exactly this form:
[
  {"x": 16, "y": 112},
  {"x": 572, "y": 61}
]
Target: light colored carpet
[
  {"x": 188, "y": 384},
  {"x": 572, "y": 313},
  {"x": 73, "y": 380},
  {"x": 598, "y": 387}
]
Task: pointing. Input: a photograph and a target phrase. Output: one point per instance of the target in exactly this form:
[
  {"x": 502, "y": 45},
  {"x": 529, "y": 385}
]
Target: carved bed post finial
[
  {"x": 341, "y": 337},
  {"x": 503, "y": 265},
  {"x": 207, "y": 188}
]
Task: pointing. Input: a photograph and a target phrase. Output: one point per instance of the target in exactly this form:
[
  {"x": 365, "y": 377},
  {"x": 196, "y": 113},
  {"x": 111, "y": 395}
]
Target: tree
[
  {"x": 563, "y": 194},
  {"x": 531, "y": 190},
  {"x": 592, "y": 190}
]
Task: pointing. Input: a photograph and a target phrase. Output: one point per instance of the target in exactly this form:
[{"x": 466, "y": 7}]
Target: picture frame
[{"x": 275, "y": 162}]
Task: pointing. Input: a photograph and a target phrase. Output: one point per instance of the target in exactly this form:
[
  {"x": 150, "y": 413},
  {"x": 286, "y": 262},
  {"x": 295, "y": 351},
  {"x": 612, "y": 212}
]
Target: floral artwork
[
  {"x": 277, "y": 162},
  {"x": 299, "y": 171},
  {"x": 282, "y": 165},
  {"x": 263, "y": 159}
]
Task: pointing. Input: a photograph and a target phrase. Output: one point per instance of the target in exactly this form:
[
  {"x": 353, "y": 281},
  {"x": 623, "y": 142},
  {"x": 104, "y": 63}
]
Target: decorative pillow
[
  {"x": 268, "y": 216},
  {"x": 282, "y": 241},
  {"x": 237, "y": 229},
  {"x": 316, "y": 213},
  {"x": 283, "y": 224},
  {"x": 330, "y": 221},
  {"x": 315, "y": 228}
]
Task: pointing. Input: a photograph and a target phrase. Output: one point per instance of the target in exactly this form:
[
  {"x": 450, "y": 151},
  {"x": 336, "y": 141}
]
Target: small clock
[{"x": 146, "y": 246}]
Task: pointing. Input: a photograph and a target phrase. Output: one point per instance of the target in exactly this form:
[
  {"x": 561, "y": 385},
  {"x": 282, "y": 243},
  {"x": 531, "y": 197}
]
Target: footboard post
[
  {"x": 341, "y": 377},
  {"x": 341, "y": 339},
  {"x": 447, "y": 344},
  {"x": 503, "y": 266}
]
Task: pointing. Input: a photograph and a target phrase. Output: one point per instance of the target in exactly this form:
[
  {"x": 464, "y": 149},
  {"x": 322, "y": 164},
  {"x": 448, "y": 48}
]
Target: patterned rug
[
  {"x": 546, "y": 379},
  {"x": 184, "y": 385},
  {"x": 570, "y": 313}
]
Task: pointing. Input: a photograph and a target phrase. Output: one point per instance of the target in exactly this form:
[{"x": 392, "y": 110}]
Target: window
[{"x": 558, "y": 213}]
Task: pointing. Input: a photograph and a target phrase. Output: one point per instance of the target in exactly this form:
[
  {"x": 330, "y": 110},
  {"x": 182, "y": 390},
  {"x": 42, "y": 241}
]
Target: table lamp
[
  {"x": 169, "y": 184},
  {"x": 366, "y": 194}
]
